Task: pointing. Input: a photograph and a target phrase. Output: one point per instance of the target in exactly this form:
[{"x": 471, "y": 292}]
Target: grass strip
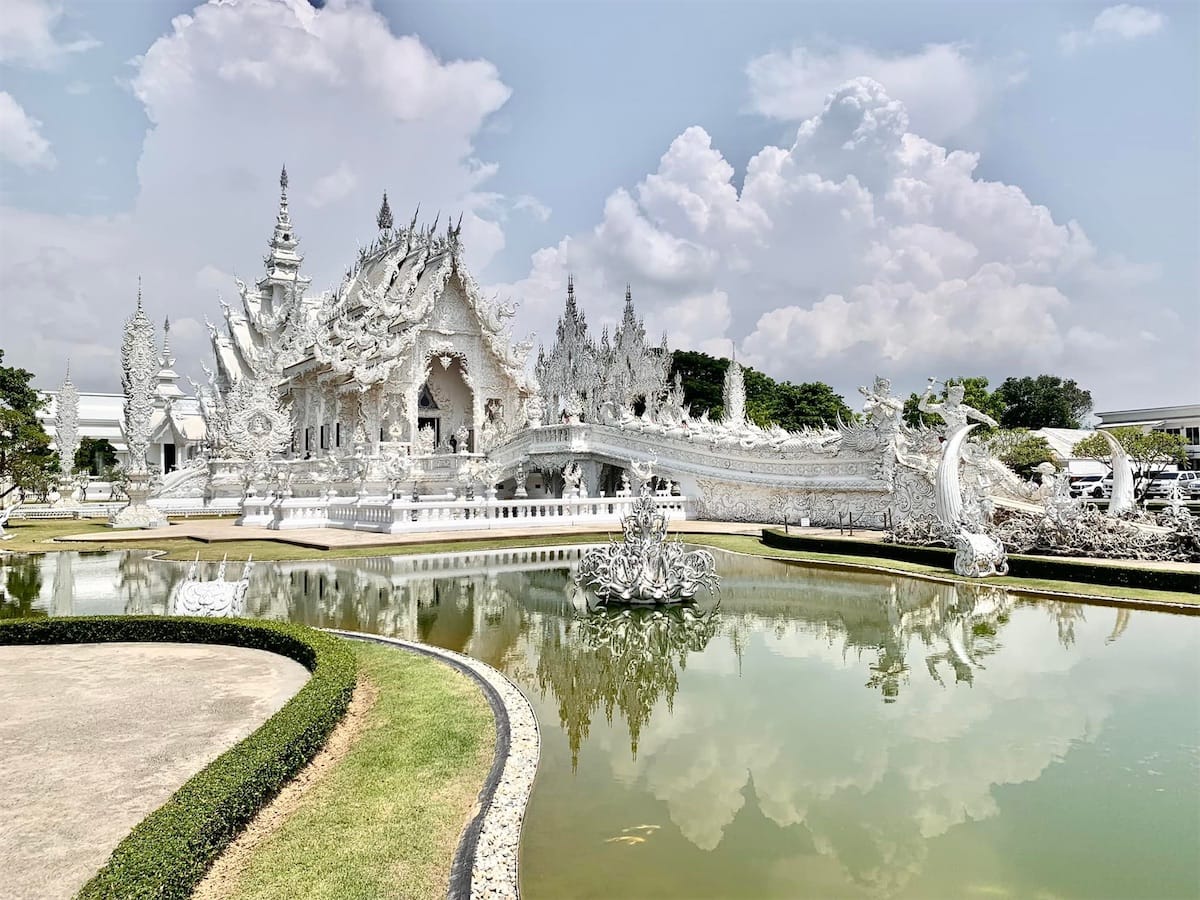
[
  {"x": 385, "y": 821},
  {"x": 167, "y": 854},
  {"x": 755, "y": 547}
]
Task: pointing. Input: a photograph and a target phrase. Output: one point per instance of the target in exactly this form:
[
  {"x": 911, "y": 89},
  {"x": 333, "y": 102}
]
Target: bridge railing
[{"x": 400, "y": 516}]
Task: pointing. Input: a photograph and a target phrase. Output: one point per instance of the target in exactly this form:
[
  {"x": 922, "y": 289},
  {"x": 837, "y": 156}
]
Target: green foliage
[
  {"x": 26, "y": 457},
  {"x": 1020, "y": 450},
  {"x": 768, "y": 402},
  {"x": 167, "y": 854},
  {"x": 975, "y": 393},
  {"x": 1046, "y": 401},
  {"x": 95, "y": 455},
  {"x": 1150, "y": 451}
]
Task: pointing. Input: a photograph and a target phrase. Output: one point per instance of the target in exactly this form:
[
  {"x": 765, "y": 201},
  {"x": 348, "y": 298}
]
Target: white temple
[{"x": 401, "y": 402}]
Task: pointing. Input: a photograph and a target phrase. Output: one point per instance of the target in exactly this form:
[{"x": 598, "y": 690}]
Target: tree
[
  {"x": 1021, "y": 451},
  {"x": 26, "y": 457},
  {"x": 95, "y": 455},
  {"x": 1046, "y": 401},
  {"x": 975, "y": 393},
  {"x": 768, "y": 402},
  {"x": 1149, "y": 451}
]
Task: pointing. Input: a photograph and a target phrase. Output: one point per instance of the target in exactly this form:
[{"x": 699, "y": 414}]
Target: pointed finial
[
  {"x": 68, "y": 378},
  {"x": 628, "y": 293},
  {"x": 384, "y": 219},
  {"x": 571, "y": 287},
  {"x": 283, "y": 181},
  {"x": 139, "y": 292}
]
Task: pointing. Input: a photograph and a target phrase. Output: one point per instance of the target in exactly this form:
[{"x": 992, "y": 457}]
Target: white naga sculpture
[
  {"x": 1121, "y": 502},
  {"x": 195, "y": 597}
]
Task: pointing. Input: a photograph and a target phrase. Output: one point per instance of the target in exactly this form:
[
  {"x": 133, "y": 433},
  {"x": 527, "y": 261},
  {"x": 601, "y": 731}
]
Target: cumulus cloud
[
  {"x": 30, "y": 34},
  {"x": 21, "y": 141},
  {"x": 861, "y": 246},
  {"x": 1113, "y": 24},
  {"x": 233, "y": 91},
  {"x": 943, "y": 86}
]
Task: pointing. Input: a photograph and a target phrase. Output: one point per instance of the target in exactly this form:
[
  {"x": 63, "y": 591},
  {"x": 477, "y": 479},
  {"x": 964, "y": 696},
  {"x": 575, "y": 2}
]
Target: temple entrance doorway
[
  {"x": 447, "y": 397},
  {"x": 168, "y": 458}
]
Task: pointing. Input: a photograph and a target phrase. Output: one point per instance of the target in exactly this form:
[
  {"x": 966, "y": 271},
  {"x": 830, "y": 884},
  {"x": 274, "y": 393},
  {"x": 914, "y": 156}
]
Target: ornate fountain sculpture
[
  {"x": 646, "y": 567},
  {"x": 217, "y": 598}
]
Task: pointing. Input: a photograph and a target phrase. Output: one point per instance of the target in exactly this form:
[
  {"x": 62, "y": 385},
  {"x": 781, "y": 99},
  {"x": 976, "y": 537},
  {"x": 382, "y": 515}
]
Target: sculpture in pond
[
  {"x": 646, "y": 567},
  {"x": 217, "y": 598}
]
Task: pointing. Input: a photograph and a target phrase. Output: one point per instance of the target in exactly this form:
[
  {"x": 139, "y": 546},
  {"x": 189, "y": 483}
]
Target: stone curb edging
[{"x": 485, "y": 863}]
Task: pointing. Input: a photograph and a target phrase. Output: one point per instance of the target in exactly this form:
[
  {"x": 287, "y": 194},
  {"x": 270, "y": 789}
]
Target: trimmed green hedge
[
  {"x": 1047, "y": 567},
  {"x": 167, "y": 854}
]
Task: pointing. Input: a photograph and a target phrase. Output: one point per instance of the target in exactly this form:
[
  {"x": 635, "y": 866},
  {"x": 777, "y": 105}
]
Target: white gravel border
[{"x": 494, "y": 873}]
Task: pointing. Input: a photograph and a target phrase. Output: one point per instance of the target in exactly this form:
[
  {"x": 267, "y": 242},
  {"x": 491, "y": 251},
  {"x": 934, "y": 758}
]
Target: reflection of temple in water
[
  {"x": 954, "y": 625},
  {"x": 619, "y": 658}
]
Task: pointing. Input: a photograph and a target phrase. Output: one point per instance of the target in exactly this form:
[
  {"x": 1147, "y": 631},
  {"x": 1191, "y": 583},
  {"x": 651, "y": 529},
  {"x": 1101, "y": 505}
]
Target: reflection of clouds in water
[{"x": 872, "y": 783}]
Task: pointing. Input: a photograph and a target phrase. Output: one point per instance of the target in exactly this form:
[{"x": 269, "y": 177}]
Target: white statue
[
  {"x": 1122, "y": 500},
  {"x": 573, "y": 478},
  {"x": 880, "y": 408},
  {"x": 978, "y": 555},
  {"x": 952, "y": 410},
  {"x": 426, "y": 440}
]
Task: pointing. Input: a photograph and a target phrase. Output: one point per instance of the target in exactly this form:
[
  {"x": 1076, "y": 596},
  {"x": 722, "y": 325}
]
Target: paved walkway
[
  {"x": 217, "y": 530},
  {"x": 94, "y": 737}
]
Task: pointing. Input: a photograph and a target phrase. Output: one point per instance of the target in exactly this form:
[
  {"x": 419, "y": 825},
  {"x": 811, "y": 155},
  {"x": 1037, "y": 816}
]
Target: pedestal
[{"x": 138, "y": 514}]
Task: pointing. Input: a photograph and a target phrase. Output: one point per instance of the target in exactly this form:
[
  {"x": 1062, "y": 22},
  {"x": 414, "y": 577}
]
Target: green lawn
[{"x": 386, "y": 819}]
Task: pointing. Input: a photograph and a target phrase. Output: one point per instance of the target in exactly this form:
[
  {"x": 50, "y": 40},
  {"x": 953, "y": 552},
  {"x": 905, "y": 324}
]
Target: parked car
[
  {"x": 1193, "y": 491},
  {"x": 1164, "y": 482},
  {"x": 1088, "y": 486}
]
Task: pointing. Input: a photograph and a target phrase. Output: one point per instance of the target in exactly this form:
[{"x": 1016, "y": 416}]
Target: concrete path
[
  {"x": 94, "y": 737},
  {"x": 217, "y": 530}
]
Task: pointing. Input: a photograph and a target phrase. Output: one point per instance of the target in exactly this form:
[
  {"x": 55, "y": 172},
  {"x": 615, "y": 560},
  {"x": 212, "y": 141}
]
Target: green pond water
[{"x": 812, "y": 734}]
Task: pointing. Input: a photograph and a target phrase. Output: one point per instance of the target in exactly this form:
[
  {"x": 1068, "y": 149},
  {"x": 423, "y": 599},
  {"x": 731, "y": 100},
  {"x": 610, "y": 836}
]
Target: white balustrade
[{"x": 403, "y": 516}]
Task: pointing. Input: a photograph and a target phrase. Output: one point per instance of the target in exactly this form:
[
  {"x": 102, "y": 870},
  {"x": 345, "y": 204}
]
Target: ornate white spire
[
  {"x": 138, "y": 383},
  {"x": 66, "y": 424},
  {"x": 167, "y": 361},
  {"x": 283, "y": 261},
  {"x": 733, "y": 397},
  {"x": 384, "y": 220},
  {"x": 168, "y": 379}
]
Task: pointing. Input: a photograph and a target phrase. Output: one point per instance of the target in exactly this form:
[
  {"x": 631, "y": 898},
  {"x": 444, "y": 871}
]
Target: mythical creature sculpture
[
  {"x": 217, "y": 598},
  {"x": 646, "y": 567}
]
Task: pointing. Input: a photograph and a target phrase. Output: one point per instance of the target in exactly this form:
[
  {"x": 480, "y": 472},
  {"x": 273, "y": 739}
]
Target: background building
[{"x": 1182, "y": 420}]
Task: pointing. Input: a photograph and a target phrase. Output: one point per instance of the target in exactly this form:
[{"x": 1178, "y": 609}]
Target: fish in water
[
  {"x": 626, "y": 839},
  {"x": 650, "y": 829}
]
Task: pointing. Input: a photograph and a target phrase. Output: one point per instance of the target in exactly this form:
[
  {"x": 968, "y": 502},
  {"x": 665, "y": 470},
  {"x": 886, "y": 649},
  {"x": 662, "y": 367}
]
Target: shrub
[{"x": 167, "y": 854}]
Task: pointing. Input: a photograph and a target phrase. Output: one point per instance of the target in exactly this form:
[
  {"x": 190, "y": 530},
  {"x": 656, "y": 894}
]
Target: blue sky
[{"x": 555, "y": 138}]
